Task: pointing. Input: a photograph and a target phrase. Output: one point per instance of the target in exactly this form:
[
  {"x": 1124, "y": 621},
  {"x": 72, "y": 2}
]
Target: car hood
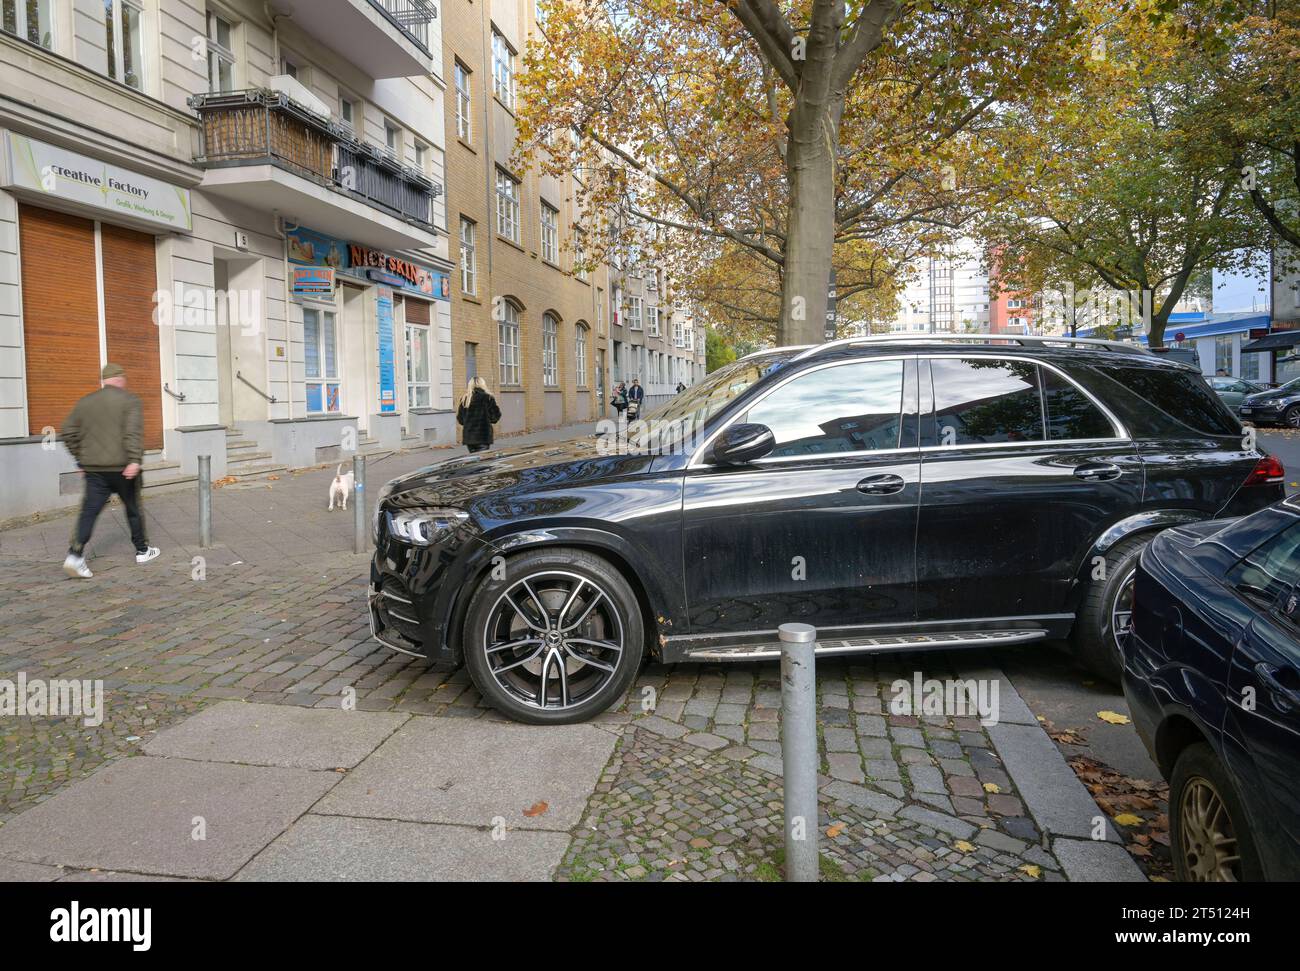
[
  {"x": 456, "y": 481},
  {"x": 1277, "y": 394}
]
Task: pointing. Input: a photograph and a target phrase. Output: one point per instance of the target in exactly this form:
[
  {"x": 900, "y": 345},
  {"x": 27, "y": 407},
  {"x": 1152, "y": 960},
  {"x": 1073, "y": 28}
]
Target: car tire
[
  {"x": 1291, "y": 417},
  {"x": 526, "y": 656},
  {"x": 1199, "y": 788},
  {"x": 1093, "y": 638}
]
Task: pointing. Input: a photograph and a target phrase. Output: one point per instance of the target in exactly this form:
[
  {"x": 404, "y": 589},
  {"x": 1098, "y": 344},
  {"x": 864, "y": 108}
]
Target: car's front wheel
[
  {"x": 1102, "y": 626},
  {"x": 1207, "y": 826},
  {"x": 1291, "y": 417},
  {"x": 553, "y": 637}
]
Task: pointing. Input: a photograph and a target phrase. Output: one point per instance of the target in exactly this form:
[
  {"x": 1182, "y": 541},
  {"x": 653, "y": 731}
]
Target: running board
[{"x": 873, "y": 645}]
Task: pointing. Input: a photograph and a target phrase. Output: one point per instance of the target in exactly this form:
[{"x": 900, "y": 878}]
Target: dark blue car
[{"x": 1212, "y": 672}]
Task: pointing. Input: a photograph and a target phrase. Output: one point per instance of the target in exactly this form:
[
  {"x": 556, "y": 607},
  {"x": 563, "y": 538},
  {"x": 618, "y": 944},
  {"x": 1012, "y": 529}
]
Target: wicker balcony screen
[{"x": 236, "y": 132}]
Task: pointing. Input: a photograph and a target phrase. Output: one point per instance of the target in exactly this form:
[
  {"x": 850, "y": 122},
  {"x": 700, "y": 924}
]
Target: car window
[
  {"x": 847, "y": 408},
  {"x": 1070, "y": 413},
  {"x": 702, "y": 401},
  {"x": 1263, "y": 574},
  {"x": 1181, "y": 395},
  {"x": 981, "y": 401}
]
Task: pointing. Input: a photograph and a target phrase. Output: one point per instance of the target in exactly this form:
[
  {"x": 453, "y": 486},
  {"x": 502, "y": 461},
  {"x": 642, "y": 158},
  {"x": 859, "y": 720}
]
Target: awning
[{"x": 1279, "y": 341}]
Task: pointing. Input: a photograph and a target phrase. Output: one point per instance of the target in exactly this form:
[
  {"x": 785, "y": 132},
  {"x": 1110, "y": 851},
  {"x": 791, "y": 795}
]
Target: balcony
[
  {"x": 264, "y": 151},
  {"x": 383, "y": 38}
]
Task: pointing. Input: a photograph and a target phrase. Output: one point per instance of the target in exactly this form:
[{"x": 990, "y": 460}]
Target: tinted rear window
[
  {"x": 1070, "y": 414},
  {"x": 1181, "y": 395},
  {"x": 985, "y": 400}
]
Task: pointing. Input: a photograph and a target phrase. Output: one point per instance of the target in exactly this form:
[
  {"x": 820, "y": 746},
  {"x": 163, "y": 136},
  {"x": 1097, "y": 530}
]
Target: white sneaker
[
  {"x": 152, "y": 553},
  {"x": 75, "y": 566}
]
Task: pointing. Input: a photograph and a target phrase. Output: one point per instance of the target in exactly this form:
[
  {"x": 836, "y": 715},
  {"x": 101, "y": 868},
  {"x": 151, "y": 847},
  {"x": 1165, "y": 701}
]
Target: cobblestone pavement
[{"x": 694, "y": 790}]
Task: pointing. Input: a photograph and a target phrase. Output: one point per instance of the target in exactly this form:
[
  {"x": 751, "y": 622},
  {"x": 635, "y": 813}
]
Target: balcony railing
[
  {"x": 261, "y": 126},
  {"x": 412, "y": 17}
]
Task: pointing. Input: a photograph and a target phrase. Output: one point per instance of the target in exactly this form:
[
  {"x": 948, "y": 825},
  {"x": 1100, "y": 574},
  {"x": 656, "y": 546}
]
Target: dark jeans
[
  {"x": 99, "y": 486},
  {"x": 479, "y": 448}
]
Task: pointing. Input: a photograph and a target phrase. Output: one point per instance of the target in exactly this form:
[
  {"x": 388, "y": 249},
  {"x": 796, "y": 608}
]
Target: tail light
[{"x": 1268, "y": 471}]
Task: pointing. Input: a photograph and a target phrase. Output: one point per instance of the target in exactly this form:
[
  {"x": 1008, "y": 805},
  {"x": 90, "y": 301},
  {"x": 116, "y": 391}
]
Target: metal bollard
[
  {"x": 361, "y": 542},
  {"x": 205, "y": 501},
  {"x": 799, "y": 750}
]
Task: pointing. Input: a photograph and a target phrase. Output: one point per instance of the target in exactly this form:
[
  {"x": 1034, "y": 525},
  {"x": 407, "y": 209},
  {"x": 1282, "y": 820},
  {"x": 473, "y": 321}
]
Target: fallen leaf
[
  {"x": 964, "y": 846},
  {"x": 1031, "y": 870},
  {"x": 834, "y": 830},
  {"x": 1113, "y": 717},
  {"x": 992, "y": 787},
  {"x": 536, "y": 809}
]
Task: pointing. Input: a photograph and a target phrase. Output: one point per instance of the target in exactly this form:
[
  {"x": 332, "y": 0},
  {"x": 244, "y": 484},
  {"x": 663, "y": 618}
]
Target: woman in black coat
[{"x": 477, "y": 413}]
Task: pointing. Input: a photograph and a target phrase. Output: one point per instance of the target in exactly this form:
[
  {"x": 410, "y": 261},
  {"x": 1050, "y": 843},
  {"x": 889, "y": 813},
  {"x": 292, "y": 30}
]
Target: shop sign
[
  {"x": 313, "y": 279},
  {"x": 387, "y": 371},
  {"x": 56, "y": 172},
  {"x": 309, "y": 247}
]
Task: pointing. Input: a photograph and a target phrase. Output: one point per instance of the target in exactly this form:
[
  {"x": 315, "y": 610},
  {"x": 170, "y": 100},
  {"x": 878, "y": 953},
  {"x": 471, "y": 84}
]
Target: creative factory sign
[{"x": 311, "y": 248}]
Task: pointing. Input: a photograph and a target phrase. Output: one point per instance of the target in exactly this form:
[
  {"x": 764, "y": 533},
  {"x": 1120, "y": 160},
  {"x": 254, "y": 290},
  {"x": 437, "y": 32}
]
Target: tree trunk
[{"x": 810, "y": 238}]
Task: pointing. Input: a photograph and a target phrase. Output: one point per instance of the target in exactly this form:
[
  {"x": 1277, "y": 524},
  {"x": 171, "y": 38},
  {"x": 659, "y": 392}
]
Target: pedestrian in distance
[
  {"x": 635, "y": 395},
  {"x": 105, "y": 434},
  {"x": 619, "y": 400},
  {"x": 681, "y": 386},
  {"x": 477, "y": 413}
]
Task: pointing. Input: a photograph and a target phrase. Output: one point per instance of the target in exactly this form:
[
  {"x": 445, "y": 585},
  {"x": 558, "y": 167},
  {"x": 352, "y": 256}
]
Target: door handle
[
  {"x": 1286, "y": 698},
  {"x": 1098, "y": 472},
  {"x": 886, "y": 484}
]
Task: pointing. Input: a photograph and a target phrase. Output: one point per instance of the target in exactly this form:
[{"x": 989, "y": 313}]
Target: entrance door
[
  {"x": 225, "y": 363},
  {"x": 130, "y": 282}
]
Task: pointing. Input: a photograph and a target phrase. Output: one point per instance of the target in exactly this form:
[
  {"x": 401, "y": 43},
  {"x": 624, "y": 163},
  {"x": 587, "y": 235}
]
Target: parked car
[
  {"x": 1279, "y": 406},
  {"x": 898, "y": 493},
  {"x": 1212, "y": 674},
  {"x": 1231, "y": 391}
]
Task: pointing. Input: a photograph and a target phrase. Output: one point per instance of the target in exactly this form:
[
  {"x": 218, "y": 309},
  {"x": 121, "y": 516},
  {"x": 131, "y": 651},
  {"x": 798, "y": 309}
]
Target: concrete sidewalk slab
[
  {"x": 138, "y": 815},
  {"x": 1096, "y": 861},
  {"x": 1052, "y": 792},
  {"x": 344, "y": 848},
  {"x": 15, "y": 871},
  {"x": 277, "y": 735},
  {"x": 452, "y": 770}
]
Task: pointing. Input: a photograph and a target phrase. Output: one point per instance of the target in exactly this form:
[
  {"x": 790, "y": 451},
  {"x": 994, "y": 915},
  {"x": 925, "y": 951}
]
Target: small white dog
[{"x": 341, "y": 487}]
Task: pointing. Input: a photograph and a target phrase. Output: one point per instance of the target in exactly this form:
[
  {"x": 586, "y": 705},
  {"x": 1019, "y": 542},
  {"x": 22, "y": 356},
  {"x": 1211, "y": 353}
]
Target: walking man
[
  {"x": 635, "y": 395},
  {"x": 105, "y": 434}
]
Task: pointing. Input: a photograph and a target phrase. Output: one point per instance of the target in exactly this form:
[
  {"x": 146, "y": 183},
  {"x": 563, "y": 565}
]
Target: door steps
[{"x": 872, "y": 645}]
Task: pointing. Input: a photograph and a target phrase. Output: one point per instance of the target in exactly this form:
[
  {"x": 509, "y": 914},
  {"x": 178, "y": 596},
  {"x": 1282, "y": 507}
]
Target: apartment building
[
  {"x": 947, "y": 292},
  {"x": 548, "y": 333},
  {"x": 242, "y": 203}
]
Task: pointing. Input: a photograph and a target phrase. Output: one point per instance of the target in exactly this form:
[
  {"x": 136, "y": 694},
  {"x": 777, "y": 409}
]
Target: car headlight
[
  {"x": 384, "y": 492},
  {"x": 424, "y": 527}
]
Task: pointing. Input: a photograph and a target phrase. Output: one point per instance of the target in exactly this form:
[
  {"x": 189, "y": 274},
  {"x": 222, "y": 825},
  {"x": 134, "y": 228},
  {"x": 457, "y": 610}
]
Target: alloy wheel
[
  {"x": 1292, "y": 417},
  {"x": 553, "y": 640},
  {"x": 1207, "y": 839},
  {"x": 1121, "y": 614}
]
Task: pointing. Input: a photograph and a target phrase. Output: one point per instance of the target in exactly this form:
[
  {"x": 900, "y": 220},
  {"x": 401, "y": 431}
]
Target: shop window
[
  {"x": 320, "y": 357},
  {"x": 418, "y": 387}
]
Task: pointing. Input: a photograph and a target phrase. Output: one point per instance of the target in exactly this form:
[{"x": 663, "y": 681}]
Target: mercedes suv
[{"x": 897, "y": 493}]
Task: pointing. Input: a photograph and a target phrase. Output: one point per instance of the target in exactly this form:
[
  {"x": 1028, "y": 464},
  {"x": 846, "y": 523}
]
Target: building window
[
  {"x": 503, "y": 70},
  {"x": 634, "y": 313},
  {"x": 28, "y": 19},
  {"x": 600, "y": 310},
  {"x": 464, "y": 116},
  {"x": 614, "y": 306},
  {"x": 580, "y": 354},
  {"x": 679, "y": 334},
  {"x": 418, "y": 385},
  {"x": 393, "y": 139},
  {"x": 1223, "y": 354},
  {"x": 652, "y": 321},
  {"x": 508, "y": 342},
  {"x": 550, "y": 351},
  {"x": 125, "y": 47},
  {"x": 290, "y": 66},
  {"x": 550, "y": 234},
  {"x": 471, "y": 360},
  {"x": 221, "y": 58},
  {"x": 320, "y": 359},
  {"x": 468, "y": 258},
  {"x": 507, "y": 206},
  {"x": 580, "y": 255},
  {"x": 350, "y": 113}
]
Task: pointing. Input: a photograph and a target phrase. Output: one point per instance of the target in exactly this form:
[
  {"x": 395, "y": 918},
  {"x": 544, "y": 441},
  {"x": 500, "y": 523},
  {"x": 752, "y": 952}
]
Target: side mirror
[{"x": 743, "y": 443}]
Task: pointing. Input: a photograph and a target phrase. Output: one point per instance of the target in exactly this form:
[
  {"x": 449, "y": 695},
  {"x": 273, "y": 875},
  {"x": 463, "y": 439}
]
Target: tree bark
[{"x": 810, "y": 238}]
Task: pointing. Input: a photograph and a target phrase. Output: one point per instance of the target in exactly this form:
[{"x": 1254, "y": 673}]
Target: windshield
[{"x": 697, "y": 404}]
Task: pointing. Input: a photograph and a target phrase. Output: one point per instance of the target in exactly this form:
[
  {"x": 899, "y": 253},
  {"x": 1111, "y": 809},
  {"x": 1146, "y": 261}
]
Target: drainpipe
[{"x": 288, "y": 336}]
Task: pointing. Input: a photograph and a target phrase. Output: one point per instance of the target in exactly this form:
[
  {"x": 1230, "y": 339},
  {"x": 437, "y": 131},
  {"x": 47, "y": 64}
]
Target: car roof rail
[{"x": 1022, "y": 339}]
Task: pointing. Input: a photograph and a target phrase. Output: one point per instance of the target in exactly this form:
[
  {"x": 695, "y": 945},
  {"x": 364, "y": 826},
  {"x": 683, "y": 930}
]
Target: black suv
[
  {"x": 1279, "y": 406},
  {"x": 898, "y": 493}
]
